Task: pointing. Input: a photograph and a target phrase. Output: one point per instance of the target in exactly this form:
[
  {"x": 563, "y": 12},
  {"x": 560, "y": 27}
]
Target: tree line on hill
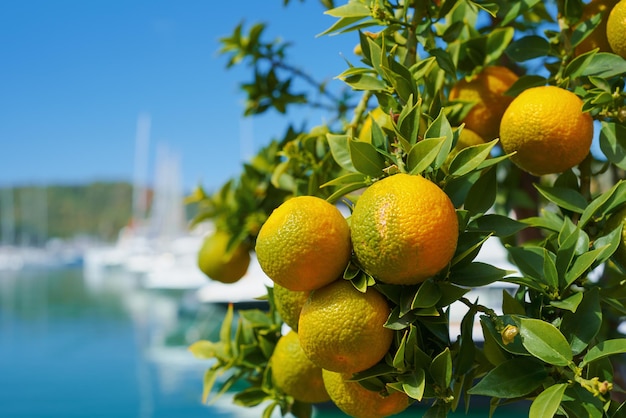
[{"x": 30, "y": 215}]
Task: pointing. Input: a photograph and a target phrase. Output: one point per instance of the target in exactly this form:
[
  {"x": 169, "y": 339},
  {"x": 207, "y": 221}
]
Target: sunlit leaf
[
  {"x": 366, "y": 159},
  {"x": 544, "y": 341},
  {"x": 547, "y": 403},
  {"x": 604, "y": 349}
]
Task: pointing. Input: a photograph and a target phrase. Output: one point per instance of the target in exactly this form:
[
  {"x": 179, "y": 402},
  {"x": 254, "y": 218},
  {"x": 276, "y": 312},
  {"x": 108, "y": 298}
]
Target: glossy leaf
[
  {"x": 470, "y": 158},
  {"x": 341, "y": 151},
  {"x": 441, "y": 128},
  {"x": 422, "y": 154},
  {"x": 547, "y": 402},
  {"x": 565, "y": 198},
  {"x": 605, "y": 65},
  {"x": 527, "y": 48},
  {"x": 569, "y": 304},
  {"x": 604, "y": 203},
  {"x": 482, "y": 194},
  {"x": 513, "y": 378},
  {"x": 427, "y": 295},
  {"x": 414, "y": 384},
  {"x": 441, "y": 368},
  {"x": 582, "y": 326},
  {"x": 544, "y": 341},
  {"x": 604, "y": 349},
  {"x": 366, "y": 159},
  {"x": 498, "y": 225},
  {"x": 613, "y": 143},
  {"x": 477, "y": 274},
  {"x": 530, "y": 261}
]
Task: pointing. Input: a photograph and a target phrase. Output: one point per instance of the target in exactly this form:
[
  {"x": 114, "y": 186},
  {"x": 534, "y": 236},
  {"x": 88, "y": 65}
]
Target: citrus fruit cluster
[{"x": 403, "y": 230}]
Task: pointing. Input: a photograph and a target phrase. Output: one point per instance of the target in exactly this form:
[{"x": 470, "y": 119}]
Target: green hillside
[{"x": 33, "y": 214}]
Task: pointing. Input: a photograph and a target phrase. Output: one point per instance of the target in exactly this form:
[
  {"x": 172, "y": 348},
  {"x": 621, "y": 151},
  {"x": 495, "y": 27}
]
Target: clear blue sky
[{"x": 76, "y": 75}]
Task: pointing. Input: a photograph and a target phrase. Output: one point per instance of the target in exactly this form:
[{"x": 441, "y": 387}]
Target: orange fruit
[
  {"x": 486, "y": 90},
  {"x": 616, "y": 29},
  {"x": 220, "y": 264},
  {"x": 357, "y": 401},
  {"x": 289, "y": 303},
  {"x": 547, "y": 129},
  {"x": 404, "y": 229},
  {"x": 342, "y": 329},
  {"x": 597, "y": 38},
  {"x": 294, "y": 373},
  {"x": 304, "y": 244}
]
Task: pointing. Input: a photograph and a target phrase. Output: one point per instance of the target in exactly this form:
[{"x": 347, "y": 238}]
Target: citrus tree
[{"x": 461, "y": 121}]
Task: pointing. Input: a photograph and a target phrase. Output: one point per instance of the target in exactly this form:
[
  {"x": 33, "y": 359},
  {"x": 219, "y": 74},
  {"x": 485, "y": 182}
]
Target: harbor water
[{"x": 74, "y": 348}]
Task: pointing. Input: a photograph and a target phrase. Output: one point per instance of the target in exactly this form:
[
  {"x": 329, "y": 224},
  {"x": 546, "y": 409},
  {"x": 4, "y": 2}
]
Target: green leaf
[
  {"x": 527, "y": 48},
  {"x": 550, "y": 274},
  {"x": 581, "y": 326},
  {"x": 366, "y": 159},
  {"x": 497, "y": 42},
  {"x": 604, "y": 203},
  {"x": 547, "y": 403},
  {"x": 578, "y": 65},
  {"x": 226, "y": 329},
  {"x": 414, "y": 384},
  {"x": 340, "y": 150},
  {"x": 249, "y": 397},
  {"x": 544, "y": 341},
  {"x": 477, "y": 274},
  {"x": 613, "y": 143},
  {"x": 364, "y": 82},
  {"x": 530, "y": 261},
  {"x": 604, "y": 349},
  {"x": 468, "y": 159},
  {"x": 398, "y": 358},
  {"x": 565, "y": 198},
  {"x": 569, "y": 304},
  {"x": 423, "y": 153},
  {"x": 525, "y": 82},
  {"x": 498, "y": 225},
  {"x": 208, "y": 381},
  {"x": 510, "y": 305},
  {"x": 346, "y": 179},
  {"x": 605, "y": 65},
  {"x": 582, "y": 264},
  {"x": 482, "y": 195},
  {"x": 407, "y": 126},
  {"x": 427, "y": 295},
  {"x": 346, "y": 189},
  {"x": 609, "y": 244},
  {"x": 512, "y": 379},
  {"x": 577, "y": 242},
  {"x": 204, "y": 349},
  {"x": 351, "y": 9},
  {"x": 449, "y": 293},
  {"x": 441, "y": 128},
  {"x": 579, "y": 402},
  {"x": 441, "y": 368}
]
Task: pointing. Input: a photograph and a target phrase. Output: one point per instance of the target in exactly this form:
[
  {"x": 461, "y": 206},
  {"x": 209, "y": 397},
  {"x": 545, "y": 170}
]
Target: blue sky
[{"x": 76, "y": 76}]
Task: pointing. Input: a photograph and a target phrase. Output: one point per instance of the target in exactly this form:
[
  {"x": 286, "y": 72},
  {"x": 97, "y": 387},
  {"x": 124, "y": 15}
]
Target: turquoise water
[{"x": 70, "y": 347}]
